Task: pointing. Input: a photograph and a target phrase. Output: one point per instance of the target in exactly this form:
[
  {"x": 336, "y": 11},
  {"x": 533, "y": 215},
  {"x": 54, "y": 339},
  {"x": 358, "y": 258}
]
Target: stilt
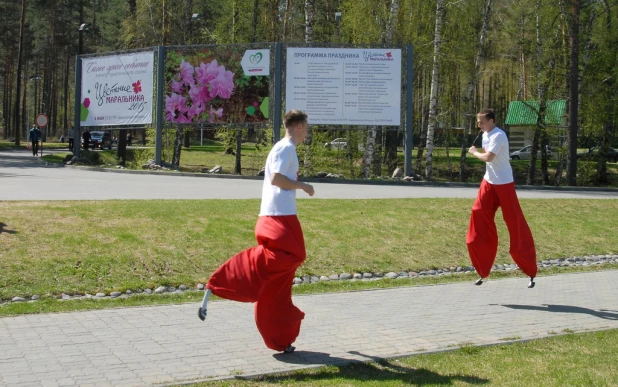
[
  {"x": 531, "y": 284},
  {"x": 202, "y": 312}
]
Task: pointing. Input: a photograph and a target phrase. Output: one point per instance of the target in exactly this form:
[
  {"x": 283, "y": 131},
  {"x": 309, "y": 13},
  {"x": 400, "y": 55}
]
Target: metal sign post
[{"x": 41, "y": 121}]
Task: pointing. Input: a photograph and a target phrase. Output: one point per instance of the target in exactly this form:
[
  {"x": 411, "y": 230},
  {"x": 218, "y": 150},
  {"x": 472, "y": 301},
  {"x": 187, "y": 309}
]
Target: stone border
[{"x": 559, "y": 262}]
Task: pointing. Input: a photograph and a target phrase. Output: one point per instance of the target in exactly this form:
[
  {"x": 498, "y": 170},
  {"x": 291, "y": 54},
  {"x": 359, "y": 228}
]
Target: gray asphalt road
[{"x": 23, "y": 177}]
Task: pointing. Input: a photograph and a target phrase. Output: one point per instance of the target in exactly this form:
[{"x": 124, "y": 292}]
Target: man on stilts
[
  {"x": 264, "y": 274},
  {"x": 497, "y": 190}
]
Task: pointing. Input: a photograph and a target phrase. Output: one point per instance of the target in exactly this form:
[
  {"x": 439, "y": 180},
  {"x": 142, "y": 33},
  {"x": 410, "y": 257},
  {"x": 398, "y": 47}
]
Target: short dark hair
[
  {"x": 293, "y": 117},
  {"x": 489, "y": 114}
]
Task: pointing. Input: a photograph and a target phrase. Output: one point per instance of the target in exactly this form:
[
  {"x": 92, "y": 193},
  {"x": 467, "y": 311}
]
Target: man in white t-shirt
[
  {"x": 497, "y": 190},
  {"x": 264, "y": 274}
]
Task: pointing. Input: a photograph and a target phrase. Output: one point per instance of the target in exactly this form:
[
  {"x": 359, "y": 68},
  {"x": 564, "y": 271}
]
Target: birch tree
[
  {"x": 309, "y": 19},
  {"x": 433, "y": 94},
  {"x": 392, "y": 135},
  {"x": 472, "y": 107},
  {"x": 369, "y": 157},
  {"x": 20, "y": 61},
  {"x": 575, "y": 8}
]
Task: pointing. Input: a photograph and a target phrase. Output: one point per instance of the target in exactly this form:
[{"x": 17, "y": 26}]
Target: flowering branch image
[{"x": 194, "y": 92}]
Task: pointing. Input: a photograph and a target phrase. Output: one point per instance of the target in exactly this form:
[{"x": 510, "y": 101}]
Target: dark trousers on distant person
[{"x": 35, "y": 148}]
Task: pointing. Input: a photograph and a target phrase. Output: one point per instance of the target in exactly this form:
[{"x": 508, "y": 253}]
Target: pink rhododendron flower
[
  {"x": 177, "y": 87},
  {"x": 215, "y": 113},
  {"x": 194, "y": 88},
  {"x": 175, "y": 105},
  {"x": 223, "y": 85},
  {"x": 183, "y": 119},
  {"x": 207, "y": 72},
  {"x": 186, "y": 73}
]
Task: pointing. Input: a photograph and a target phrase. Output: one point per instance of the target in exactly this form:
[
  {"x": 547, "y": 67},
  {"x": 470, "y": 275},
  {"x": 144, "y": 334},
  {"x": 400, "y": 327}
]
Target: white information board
[
  {"x": 341, "y": 86},
  {"x": 117, "y": 89}
]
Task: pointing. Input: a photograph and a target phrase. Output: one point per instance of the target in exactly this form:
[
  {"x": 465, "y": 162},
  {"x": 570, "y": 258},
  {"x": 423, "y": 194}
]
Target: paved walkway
[{"x": 166, "y": 344}]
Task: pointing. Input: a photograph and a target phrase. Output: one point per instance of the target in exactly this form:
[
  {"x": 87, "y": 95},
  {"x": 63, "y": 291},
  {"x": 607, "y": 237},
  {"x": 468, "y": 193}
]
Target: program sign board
[
  {"x": 345, "y": 86},
  {"x": 117, "y": 89}
]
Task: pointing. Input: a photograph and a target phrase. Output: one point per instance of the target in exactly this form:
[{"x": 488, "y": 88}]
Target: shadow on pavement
[
  {"x": 602, "y": 313},
  {"x": 380, "y": 370}
]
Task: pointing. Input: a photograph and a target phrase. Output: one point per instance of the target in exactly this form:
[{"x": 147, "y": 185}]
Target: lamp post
[
  {"x": 32, "y": 102},
  {"x": 83, "y": 27},
  {"x": 78, "y": 75},
  {"x": 338, "y": 16}
]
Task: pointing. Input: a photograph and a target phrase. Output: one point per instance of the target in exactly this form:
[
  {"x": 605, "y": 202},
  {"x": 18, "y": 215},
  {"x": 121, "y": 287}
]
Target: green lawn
[
  {"x": 584, "y": 359},
  {"x": 68, "y": 246}
]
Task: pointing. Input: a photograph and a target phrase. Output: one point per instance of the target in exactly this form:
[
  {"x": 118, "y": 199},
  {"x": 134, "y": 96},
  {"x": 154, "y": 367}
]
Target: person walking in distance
[
  {"x": 497, "y": 190},
  {"x": 264, "y": 274},
  {"x": 86, "y": 137},
  {"x": 34, "y": 137}
]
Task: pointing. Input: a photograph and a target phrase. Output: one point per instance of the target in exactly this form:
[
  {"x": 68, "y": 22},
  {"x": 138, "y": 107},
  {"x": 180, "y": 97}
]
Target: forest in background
[{"x": 469, "y": 54}]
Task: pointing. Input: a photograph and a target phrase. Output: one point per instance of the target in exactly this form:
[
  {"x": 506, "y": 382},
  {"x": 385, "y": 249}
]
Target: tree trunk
[
  {"x": 121, "y": 149},
  {"x": 472, "y": 92},
  {"x": 20, "y": 60},
  {"x": 392, "y": 136},
  {"x": 309, "y": 19},
  {"x": 132, "y": 7},
  {"x": 237, "y": 165},
  {"x": 369, "y": 150},
  {"x": 540, "y": 121},
  {"x": 423, "y": 120},
  {"x": 573, "y": 93},
  {"x": 66, "y": 93},
  {"x": 433, "y": 98},
  {"x": 177, "y": 146}
]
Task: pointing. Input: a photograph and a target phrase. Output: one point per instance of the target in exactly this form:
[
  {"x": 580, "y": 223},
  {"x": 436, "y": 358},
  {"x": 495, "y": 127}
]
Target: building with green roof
[{"x": 521, "y": 120}]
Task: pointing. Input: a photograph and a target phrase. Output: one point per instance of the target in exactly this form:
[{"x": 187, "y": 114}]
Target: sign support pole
[
  {"x": 159, "y": 106},
  {"x": 278, "y": 90},
  {"x": 409, "y": 110},
  {"x": 78, "y": 103}
]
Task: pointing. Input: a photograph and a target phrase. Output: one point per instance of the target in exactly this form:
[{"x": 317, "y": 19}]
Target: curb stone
[{"x": 576, "y": 261}]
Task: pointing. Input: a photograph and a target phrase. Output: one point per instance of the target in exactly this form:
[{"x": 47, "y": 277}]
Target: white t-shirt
[
  {"x": 499, "y": 170},
  {"x": 281, "y": 159}
]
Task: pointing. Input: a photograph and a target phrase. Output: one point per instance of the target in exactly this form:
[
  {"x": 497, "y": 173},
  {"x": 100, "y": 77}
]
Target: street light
[
  {"x": 30, "y": 103},
  {"x": 338, "y": 16},
  {"x": 83, "y": 27}
]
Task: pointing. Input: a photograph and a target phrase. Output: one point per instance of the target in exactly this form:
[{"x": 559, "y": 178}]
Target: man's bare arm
[
  {"x": 486, "y": 157},
  {"x": 285, "y": 182}
]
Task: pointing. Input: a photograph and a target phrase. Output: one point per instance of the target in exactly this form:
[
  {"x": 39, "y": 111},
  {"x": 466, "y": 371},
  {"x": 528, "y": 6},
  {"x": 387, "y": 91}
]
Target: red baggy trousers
[
  {"x": 264, "y": 274},
  {"x": 482, "y": 237}
]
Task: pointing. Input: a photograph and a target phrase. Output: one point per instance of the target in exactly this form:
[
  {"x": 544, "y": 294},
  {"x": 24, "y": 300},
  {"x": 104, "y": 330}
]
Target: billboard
[
  {"x": 218, "y": 84},
  {"x": 117, "y": 89},
  {"x": 339, "y": 86}
]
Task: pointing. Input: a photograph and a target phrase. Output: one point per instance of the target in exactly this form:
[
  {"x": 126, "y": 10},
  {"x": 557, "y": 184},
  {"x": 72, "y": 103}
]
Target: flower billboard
[
  {"x": 117, "y": 89},
  {"x": 223, "y": 84}
]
